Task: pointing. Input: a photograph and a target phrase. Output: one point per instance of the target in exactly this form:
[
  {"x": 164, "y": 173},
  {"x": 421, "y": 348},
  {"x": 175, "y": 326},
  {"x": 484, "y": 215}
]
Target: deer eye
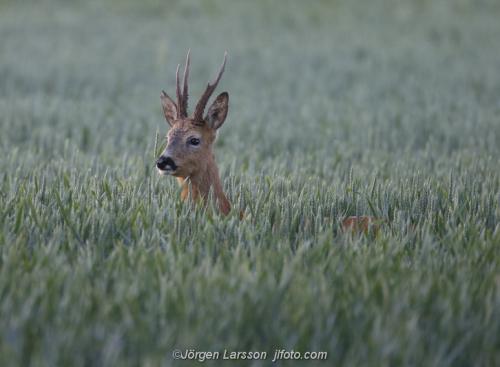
[{"x": 194, "y": 141}]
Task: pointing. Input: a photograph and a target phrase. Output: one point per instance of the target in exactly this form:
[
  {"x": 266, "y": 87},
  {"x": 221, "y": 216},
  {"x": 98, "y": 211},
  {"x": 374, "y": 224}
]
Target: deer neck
[{"x": 199, "y": 186}]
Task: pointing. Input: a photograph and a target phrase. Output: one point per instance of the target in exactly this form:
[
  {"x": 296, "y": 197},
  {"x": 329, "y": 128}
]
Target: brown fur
[
  {"x": 196, "y": 170},
  {"x": 362, "y": 223}
]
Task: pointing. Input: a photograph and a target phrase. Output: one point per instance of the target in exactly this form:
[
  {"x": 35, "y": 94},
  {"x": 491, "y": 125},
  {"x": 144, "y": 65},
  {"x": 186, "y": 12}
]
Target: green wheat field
[{"x": 338, "y": 108}]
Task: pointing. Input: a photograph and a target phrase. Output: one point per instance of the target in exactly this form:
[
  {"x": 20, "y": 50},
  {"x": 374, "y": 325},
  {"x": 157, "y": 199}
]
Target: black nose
[{"x": 166, "y": 162}]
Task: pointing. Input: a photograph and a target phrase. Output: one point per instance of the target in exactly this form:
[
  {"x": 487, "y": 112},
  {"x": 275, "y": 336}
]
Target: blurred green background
[{"x": 387, "y": 108}]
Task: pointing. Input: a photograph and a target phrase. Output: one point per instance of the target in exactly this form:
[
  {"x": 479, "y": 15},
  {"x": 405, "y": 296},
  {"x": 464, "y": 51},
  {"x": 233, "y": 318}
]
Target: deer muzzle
[{"x": 166, "y": 164}]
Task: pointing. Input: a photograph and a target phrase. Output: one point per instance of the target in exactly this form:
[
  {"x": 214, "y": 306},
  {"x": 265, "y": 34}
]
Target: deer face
[
  {"x": 188, "y": 149},
  {"x": 189, "y": 145},
  {"x": 190, "y": 139}
]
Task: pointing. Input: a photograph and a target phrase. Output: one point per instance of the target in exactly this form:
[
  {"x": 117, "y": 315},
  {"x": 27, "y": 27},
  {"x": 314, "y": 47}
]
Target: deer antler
[
  {"x": 184, "y": 105},
  {"x": 182, "y": 97},
  {"x": 200, "y": 106},
  {"x": 178, "y": 92}
]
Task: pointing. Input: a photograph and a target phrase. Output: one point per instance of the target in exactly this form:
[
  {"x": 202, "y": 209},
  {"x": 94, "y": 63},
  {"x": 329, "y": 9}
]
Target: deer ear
[
  {"x": 218, "y": 111},
  {"x": 169, "y": 108}
]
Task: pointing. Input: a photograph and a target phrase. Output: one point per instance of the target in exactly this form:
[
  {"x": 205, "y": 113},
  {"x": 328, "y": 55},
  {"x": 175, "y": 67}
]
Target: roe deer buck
[{"x": 188, "y": 155}]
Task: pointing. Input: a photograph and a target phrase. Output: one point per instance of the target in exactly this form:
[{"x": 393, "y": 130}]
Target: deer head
[{"x": 188, "y": 155}]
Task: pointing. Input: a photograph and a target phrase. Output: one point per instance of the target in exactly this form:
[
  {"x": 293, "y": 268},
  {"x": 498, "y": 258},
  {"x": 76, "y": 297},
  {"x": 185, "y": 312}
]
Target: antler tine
[
  {"x": 184, "y": 105},
  {"x": 200, "y": 106},
  {"x": 178, "y": 92}
]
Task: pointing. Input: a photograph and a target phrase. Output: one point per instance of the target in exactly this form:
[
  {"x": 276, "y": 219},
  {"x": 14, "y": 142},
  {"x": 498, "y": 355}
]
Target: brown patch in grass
[{"x": 362, "y": 224}]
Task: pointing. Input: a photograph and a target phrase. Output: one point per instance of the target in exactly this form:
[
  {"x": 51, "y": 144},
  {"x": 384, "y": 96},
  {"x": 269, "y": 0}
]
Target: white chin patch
[{"x": 164, "y": 172}]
